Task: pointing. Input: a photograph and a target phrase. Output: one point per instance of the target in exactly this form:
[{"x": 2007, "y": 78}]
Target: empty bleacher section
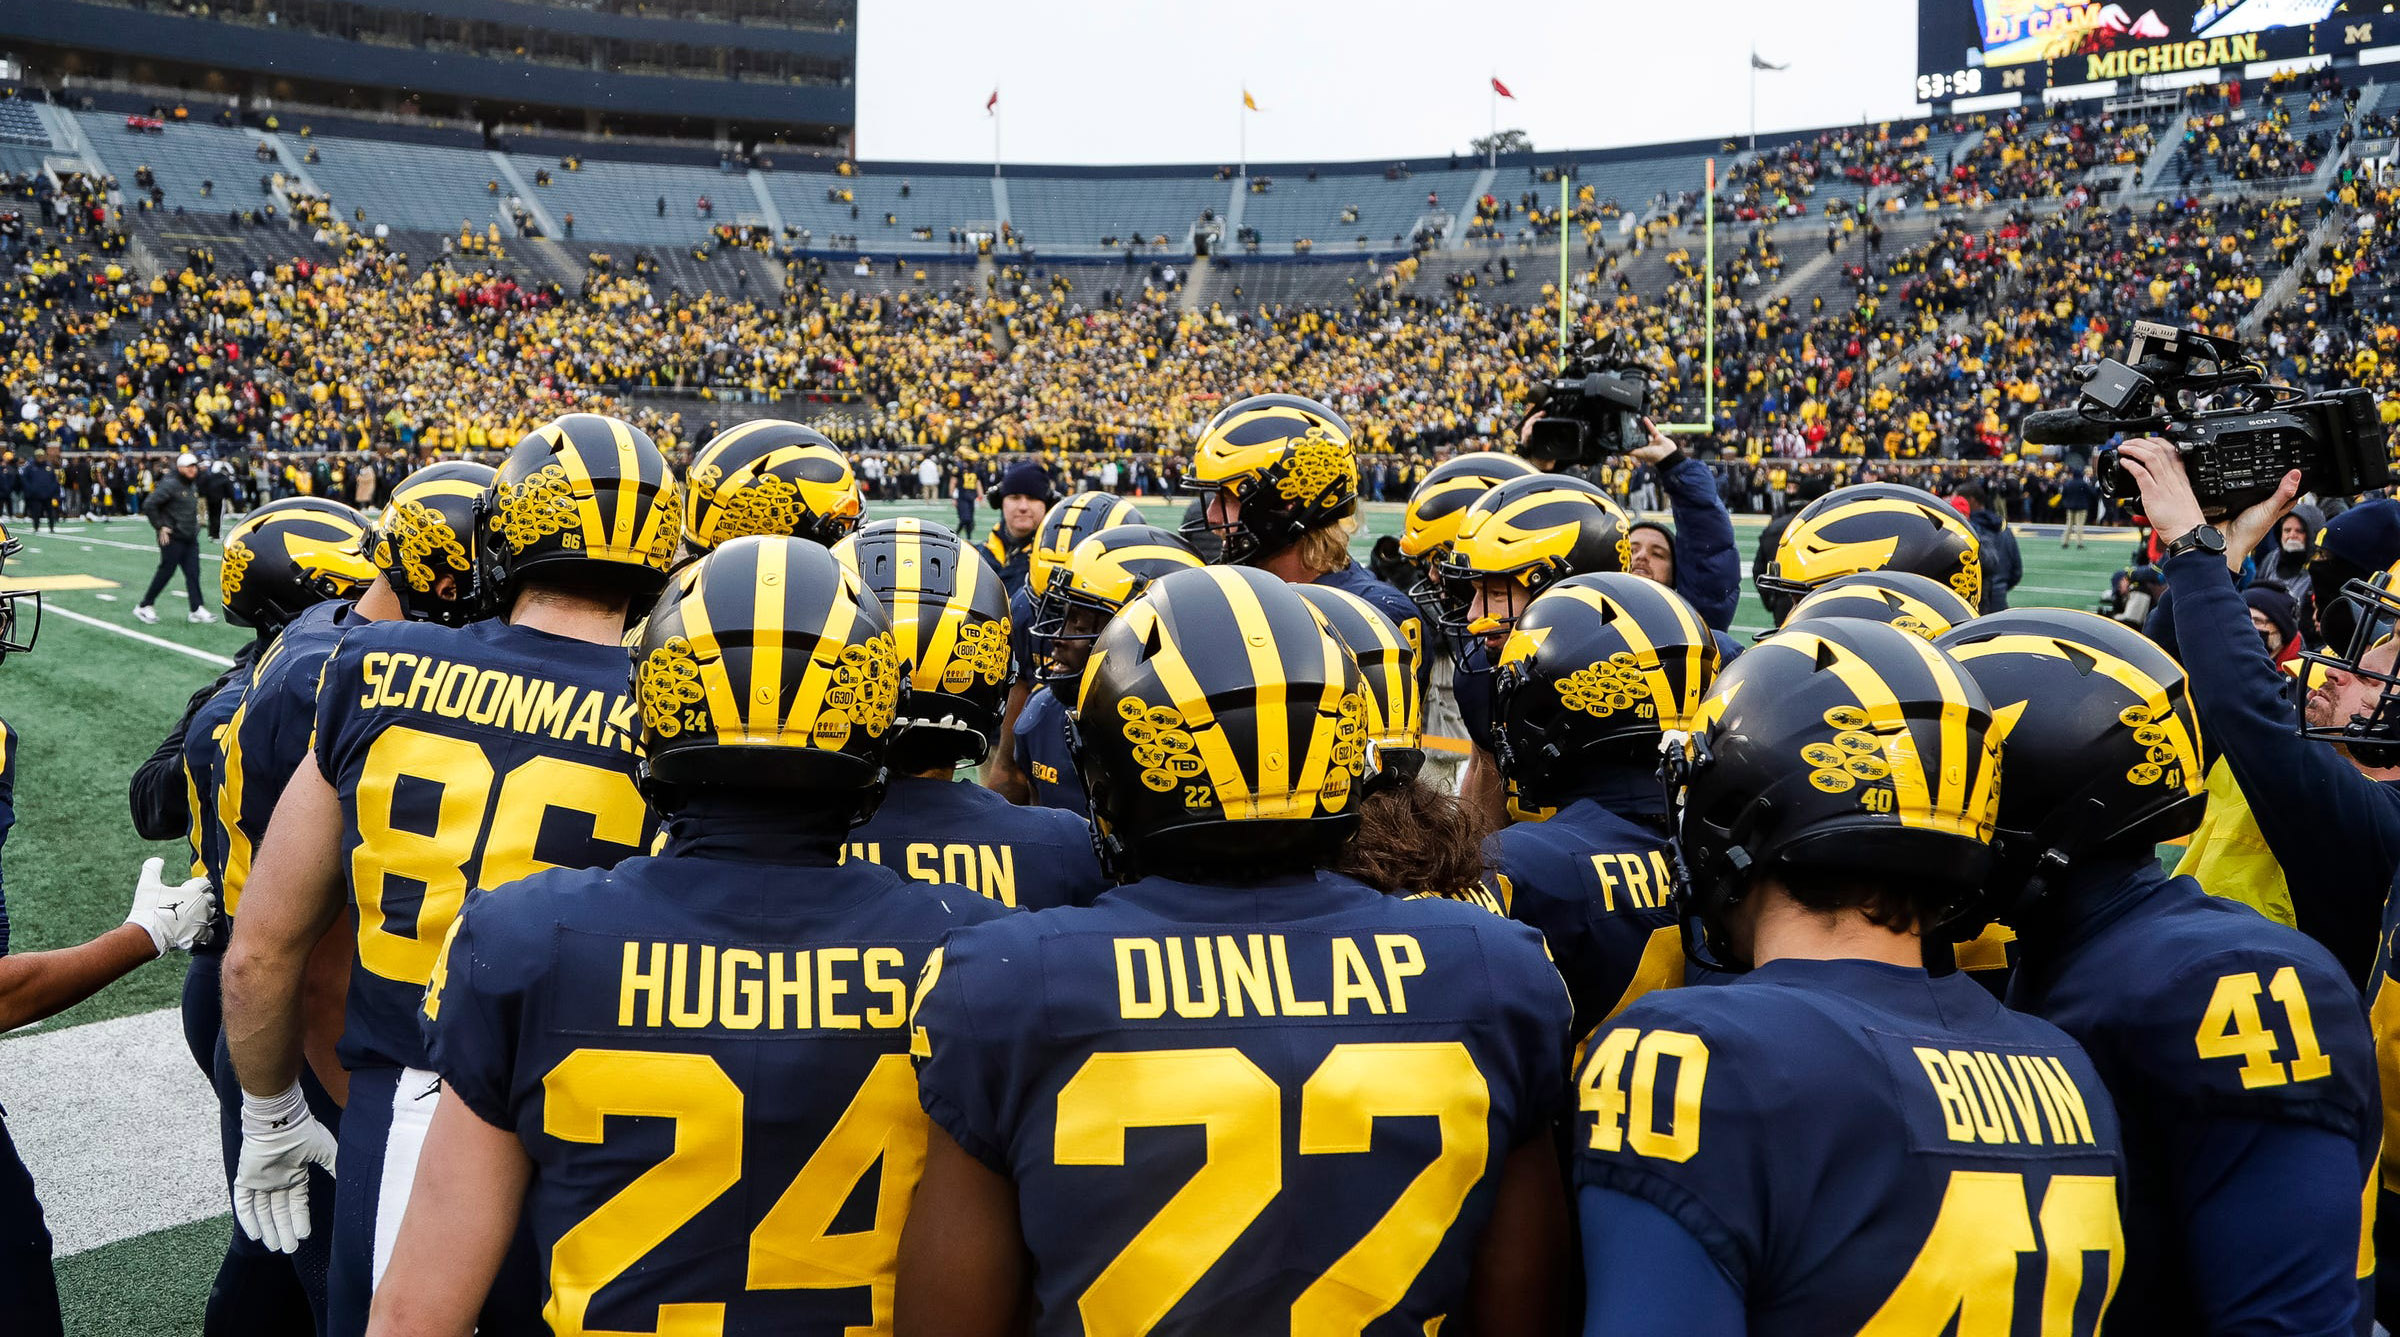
[
  {"x": 421, "y": 186},
  {"x": 620, "y": 201},
  {"x": 20, "y": 124},
  {"x": 813, "y": 202},
  {"x": 1293, "y": 207},
  {"x": 196, "y": 166},
  {"x": 1252, "y": 283},
  {"x": 1071, "y": 215},
  {"x": 21, "y": 159}
]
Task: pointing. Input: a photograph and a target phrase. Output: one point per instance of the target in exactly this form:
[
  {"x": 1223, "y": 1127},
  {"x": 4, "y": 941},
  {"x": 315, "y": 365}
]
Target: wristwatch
[{"x": 2199, "y": 538}]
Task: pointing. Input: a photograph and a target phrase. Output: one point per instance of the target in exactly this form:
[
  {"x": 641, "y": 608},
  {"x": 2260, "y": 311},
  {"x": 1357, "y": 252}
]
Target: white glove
[
  {"x": 280, "y": 1140},
  {"x": 173, "y": 914}
]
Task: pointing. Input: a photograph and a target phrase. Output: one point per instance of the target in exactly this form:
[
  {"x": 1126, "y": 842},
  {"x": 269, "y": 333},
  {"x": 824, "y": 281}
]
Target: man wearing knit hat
[
  {"x": 174, "y": 511},
  {"x": 1023, "y": 496}
]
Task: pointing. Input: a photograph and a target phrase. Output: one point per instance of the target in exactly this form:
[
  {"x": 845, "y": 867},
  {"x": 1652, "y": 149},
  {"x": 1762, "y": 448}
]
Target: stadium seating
[
  {"x": 20, "y": 124},
  {"x": 618, "y": 201},
  {"x": 1295, "y": 208},
  {"x": 182, "y": 157},
  {"x": 19, "y": 159},
  {"x": 409, "y": 185},
  {"x": 1062, "y": 215}
]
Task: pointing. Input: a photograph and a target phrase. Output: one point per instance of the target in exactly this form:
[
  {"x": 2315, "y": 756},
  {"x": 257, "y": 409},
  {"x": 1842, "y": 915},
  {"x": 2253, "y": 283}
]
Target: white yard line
[
  {"x": 51, "y": 609},
  {"x": 117, "y": 1127},
  {"x": 70, "y": 536}
]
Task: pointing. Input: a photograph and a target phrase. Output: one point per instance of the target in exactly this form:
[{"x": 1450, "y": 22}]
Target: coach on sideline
[{"x": 2330, "y": 820}]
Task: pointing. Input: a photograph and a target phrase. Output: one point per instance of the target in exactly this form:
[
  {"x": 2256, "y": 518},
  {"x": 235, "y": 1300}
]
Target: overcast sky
[{"x": 1160, "y": 80}]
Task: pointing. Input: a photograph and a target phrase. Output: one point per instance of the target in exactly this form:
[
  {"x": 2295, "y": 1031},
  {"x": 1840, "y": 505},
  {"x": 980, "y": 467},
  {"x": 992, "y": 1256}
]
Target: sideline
[{"x": 50, "y": 609}]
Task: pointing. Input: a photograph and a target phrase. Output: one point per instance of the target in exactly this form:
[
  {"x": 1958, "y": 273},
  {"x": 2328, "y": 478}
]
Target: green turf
[
  {"x": 149, "y": 1286},
  {"x": 89, "y": 705}
]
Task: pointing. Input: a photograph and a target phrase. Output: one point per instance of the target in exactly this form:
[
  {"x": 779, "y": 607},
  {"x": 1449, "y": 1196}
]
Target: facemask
[{"x": 2295, "y": 546}]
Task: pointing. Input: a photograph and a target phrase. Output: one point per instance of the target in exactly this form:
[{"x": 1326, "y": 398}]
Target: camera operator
[
  {"x": 1694, "y": 556},
  {"x": 2331, "y": 821}
]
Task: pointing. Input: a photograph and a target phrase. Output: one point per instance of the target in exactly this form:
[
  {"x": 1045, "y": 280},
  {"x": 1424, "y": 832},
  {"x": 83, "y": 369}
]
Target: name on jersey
[
  {"x": 988, "y": 870},
  {"x": 1645, "y": 879},
  {"x": 1251, "y": 975},
  {"x": 496, "y": 698},
  {"x": 690, "y": 986},
  {"x": 1997, "y": 1099}
]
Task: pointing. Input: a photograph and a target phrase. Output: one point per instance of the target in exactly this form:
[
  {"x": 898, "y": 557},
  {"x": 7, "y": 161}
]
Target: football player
[
  {"x": 1413, "y": 839},
  {"x": 35, "y": 985},
  {"x": 1590, "y": 680},
  {"x": 445, "y": 758},
  {"x": 1096, "y": 579},
  {"x": 1910, "y": 602},
  {"x": 2236, "y": 1048},
  {"x": 949, "y": 619},
  {"x": 767, "y": 476},
  {"x": 683, "y": 1070},
  {"x": 1837, "y": 1141},
  {"x": 420, "y": 551},
  {"x": 1515, "y": 541},
  {"x": 1015, "y": 771},
  {"x": 281, "y": 560},
  {"x": 1342, "y": 1095},
  {"x": 1872, "y": 527},
  {"x": 1428, "y": 527},
  {"x": 1278, "y": 478}
]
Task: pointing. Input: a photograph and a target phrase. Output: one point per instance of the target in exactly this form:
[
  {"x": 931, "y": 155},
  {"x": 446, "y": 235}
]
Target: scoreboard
[{"x": 1966, "y": 48}]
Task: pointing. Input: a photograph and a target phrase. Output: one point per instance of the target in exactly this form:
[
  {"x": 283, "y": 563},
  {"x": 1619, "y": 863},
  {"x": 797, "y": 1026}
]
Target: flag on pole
[
  {"x": 991, "y": 103},
  {"x": 1248, "y": 103},
  {"x": 1759, "y": 62},
  {"x": 1502, "y": 89}
]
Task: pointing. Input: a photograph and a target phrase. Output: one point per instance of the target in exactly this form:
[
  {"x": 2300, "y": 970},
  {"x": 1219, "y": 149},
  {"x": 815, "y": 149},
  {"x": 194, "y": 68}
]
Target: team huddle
[{"x": 605, "y": 939}]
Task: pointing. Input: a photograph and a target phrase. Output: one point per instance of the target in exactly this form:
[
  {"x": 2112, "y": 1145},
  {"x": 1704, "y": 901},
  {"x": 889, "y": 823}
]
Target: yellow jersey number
[
  {"x": 2231, "y": 1028},
  {"x": 793, "y": 1247},
  {"x": 472, "y": 830},
  {"x": 1241, "y": 1108}
]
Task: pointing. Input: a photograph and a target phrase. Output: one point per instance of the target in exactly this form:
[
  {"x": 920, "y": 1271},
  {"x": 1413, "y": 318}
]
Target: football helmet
[
  {"x": 1067, "y": 524},
  {"x": 1533, "y": 532},
  {"x": 1219, "y": 730},
  {"x": 11, "y": 601},
  {"x": 767, "y": 477},
  {"x": 1387, "y": 666},
  {"x": 584, "y": 490},
  {"x": 1104, "y": 572},
  {"x": 2104, "y": 743},
  {"x": 430, "y": 530},
  {"x": 949, "y": 619},
  {"x": 2368, "y": 611},
  {"x": 767, "y": 664},
  {"x": 1873, "y": 527},
  {"x": 1430, "y": 524},
  {"x": 289, "y": 554},
  {"x": 1596, "y": 671},
  {"x": 1287, "y": 461},
  {"x": 1911, "y": 603},
  {"x": 1840, "y": 746}
]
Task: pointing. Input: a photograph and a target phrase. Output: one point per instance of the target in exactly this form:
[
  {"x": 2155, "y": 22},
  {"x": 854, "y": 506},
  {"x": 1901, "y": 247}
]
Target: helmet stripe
[
  {"x": 2181, "y": 726},
  {"x": 766, "y": 645},
  {"x": 629, "y": 481},
  {"x": 1208, "y": 736},
  {"x": 838, "y": 619},
  {"x": 1884, "y": 717},
  {"x": 724, "y": 704}
]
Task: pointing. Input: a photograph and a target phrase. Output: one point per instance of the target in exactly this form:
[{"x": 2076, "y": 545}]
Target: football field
[{"x": 106, "y": 1106}]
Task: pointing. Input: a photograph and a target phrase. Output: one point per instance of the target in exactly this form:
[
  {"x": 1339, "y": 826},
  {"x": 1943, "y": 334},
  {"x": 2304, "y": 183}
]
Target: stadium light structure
[{"x": 1708, "y": 299}]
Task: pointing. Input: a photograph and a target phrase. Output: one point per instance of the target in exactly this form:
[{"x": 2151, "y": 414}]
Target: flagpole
[
  {"x": 1754, "y": 98},
  {"x": 995, "y": 139},
  {"x": 1245, "y": 133},
  {"x": 1562, "y": 263},
  {"x": 1491, "y": 95}
]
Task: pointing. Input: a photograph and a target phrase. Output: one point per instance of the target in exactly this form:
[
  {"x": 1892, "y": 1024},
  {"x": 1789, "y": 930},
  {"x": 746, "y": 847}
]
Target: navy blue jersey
[
  {"x": 1326, "y": 1081},
  {"x": 1596, "y": 885},
  {"x": 1862, "y": 1147},
  {"x": 203, "y": 744},
  {"x": 269, "y": 734},
  {"x": 1388, "y": 600},
  {"x": 1043, "y": 755},
  {"x": 943, "y": 831},
  {"x": 1020, "y": 629},
  {"x": 1471, "y": 685},
  {"x": 705, "y": 1060},
  {"x": 467, "y": 757},
  {"x": 2198, "y": 1012}
]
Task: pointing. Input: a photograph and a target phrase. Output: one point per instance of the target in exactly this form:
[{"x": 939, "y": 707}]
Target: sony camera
[
  {"x": 1592, "y": 409},
  {"x": 2238, "y": 433}
]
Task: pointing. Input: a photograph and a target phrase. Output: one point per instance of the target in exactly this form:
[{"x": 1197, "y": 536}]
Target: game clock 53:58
[{"x": 1954, "y": 83}]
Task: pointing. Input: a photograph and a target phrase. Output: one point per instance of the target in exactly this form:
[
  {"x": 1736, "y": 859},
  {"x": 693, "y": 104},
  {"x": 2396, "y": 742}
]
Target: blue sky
[{"x": 1150, "y": 81}]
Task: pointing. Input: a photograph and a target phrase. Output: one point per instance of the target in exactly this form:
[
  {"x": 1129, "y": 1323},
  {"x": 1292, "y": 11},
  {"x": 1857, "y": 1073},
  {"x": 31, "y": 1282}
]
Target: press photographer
[
  {"x": 1598, "y": 407},
  {"x": 2329, "y": 813}
]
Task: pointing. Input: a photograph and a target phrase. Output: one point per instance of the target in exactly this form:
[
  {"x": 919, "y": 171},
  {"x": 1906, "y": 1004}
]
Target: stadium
[{"x": 271, "y": 250}]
